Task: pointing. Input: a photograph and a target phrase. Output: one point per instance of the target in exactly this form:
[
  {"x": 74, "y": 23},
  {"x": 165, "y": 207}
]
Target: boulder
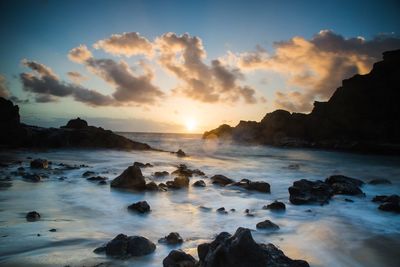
[
  {"x": 267, "y": 225},
  {"x": 32, "y": 177},
  {"x": 172, "y": 238},
  {"x": 141, "y": 207},
  {"x": 241, "y": 250},
  {"x": 160, "y": 174},
  {"x": 222, "y": 210},
  {"x": 39, "y": 164},
  {"x": 389, "y": 203},
  {"x": 178, "y": 182},
  {"x": 32, "y": 216},
  {"x": 199, "y": 183},
  {"x": 221, "y": 180},
  {"x": 262, "y": 187},
  {"x": 308, "y": 192},
  {"x": 343, "y": 185},
  {"x": 180, "y": 153},
  {"x": 131, "y": 178},
  {"x": 123, "y": 246},
  {"x": 178, "y": 258},
  {"x": 152, "y": 186},
  {"x": 140, "y": 246},
  {"x": 276, "y": 206}
]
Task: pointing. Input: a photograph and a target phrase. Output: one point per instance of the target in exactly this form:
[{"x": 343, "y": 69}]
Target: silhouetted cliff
[{"x": 363, "y": 115}]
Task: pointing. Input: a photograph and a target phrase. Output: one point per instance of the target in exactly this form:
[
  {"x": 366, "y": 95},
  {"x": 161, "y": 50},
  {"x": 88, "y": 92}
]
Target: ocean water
[{"x": 86, "y": 215}]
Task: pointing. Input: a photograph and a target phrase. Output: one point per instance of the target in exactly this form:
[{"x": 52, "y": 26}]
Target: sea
[{"x": 87, "y": 215}]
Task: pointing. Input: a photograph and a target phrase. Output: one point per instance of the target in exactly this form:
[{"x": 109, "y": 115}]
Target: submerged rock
[
  {"x": 389, "y": 203},
  {"x": 276, "y": 206},
  {"x": 178, "y": 258},
  {"x": 199, "y": 183},
  {"x": 267, "y": 225},
  {"x": 131, "y": 178},
  {"x": 32, "y": 216},
  {"x": 262, "y": 187},
  {"x": 97, "y": 178},
  {"x": 39, "y": 164},
  {"x": 183, "y": 170},
  {"x": 172, "y": 238},
  {"x": 152, "y": 186},
  {"x": 221, "y": 180},
  {"x": 32, "y": 177},
  {"x": 178, "y": 182},
  {"x": 241, "y": 250},
  {"x": 141, "y": 207},
  {"x": 308, "y": 192},
  {"x": 161, "y": 174},
  {"x": 88, "y": 173},
  {"x": 123, "y": 246}
]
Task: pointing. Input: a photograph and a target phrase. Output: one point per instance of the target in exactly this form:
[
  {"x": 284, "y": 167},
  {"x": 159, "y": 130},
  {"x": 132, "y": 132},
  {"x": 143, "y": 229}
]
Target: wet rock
[
  {"x": 343, "y": 185},
  {"x": 222, "y": 210},
  {"x": 262, "y": 187},
  {"x": 172, "y": 238},
  {"x": 389, "y": 203},
  {"x": 141, "y": 207},
  {"x": 102, "y": 183},
  {"x": 151, "y": 186},
  {"x": 379, "y": 181},
  {"x": 308, "y": 192},
  {"x": 131, "y": 178},
  {"x": 248, "y": 213},
  {"x": 178, "y": 258},
  {"x": 53, "y": 230},
  {"x": 97, "y": 178},
  {"x": 199, "y": 183},
  {"x": 276, "y": 206},
  {"x": 183, "y": 170},
  {"x": 267, "y": 225},
  {"x": 178, "y": 182},
  {"x": 32, "y": 177},
  {"x": 384, "y": 198},
  {"x": 162, "y": 187},
  {"x": 142, "y": 165},
  {"x": 348, "y": 200},
  {"x": 161, "y": 174},
  {"x": 241, "y": 250},
  {"x": 221, "y": 180},
  {"x": 39, "y": 164},
  {"x": 123, "y": 246},
  {"x": 32, "y": 216},
  {"x": 180, "y": 153},
  {"x": 88, "y": 173}
]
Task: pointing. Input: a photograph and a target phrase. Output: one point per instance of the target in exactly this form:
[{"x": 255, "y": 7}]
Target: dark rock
[
  {"x": 178, "y": 258},
  {"x": 343, "y": 185},
  {"x": 180, "y": 153},
  {"x": 390, "y": 206},
  {"x": 88, "y": 173},
  {"x": 308, "y": 192},
  {"x": 222, "y": 210},
  {"x": 379, "y": 181},
  {"x": 383, "y": 198},
  {"x": 39, "y": 164},
  {"x": 151, "y": 186},
  {"x": 348, "y": 200},
  {"x": 140, "y": 246},
  {"x": 178, "y": 182},
  {"x": 142, "y": 165},
  {"x": 123, "y": 246},
  {"x": 53, "y": 230},
  {"x": 262, "y": 187},
  {"x": 77, "y": 123},
  {"x": 162, "y": 187},
  {"x": 199, "y": 183},
  {"x": 172, "y": 238},
  {"x": 102, "y": 183},
  {"x": 141, "y": 207},
  {"x": 97, "y": 178},
  {"x": 160, "y": 174},
  {"x": 33, "y": 177},
  {"x": 276, "y": 206},
  {"x": 390, "y": 203},
  {"x": 118, "y": 246},
  {"x": 131, "y": 178},
  {"x": 241, "y": 250},
  {"x": 268, "y": 225},
  {"x": 221, "y": 180},
  {"x": 21, "y": 169},
  {"x": 183, "y": 170},
  {"x": 341, "y": 179},
  {"x": 32, "y": 216}
]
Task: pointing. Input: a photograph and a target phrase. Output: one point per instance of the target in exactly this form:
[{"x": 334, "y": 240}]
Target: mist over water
[{"x": 86, "y": 215}]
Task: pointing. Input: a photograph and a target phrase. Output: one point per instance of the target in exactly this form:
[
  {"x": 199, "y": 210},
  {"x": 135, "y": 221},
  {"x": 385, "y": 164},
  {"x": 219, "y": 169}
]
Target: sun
[{"x": 191, "y": 124}]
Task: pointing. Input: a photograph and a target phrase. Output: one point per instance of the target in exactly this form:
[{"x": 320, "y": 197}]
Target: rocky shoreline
[{"x": 361, "y": 116}]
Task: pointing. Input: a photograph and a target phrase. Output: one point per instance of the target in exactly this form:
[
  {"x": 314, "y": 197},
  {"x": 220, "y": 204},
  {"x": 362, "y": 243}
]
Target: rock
[
  {"x": 379, "y": 181},
  {"x": 178, "y": 182},
  {"x": 222, "y": 210},
  {"x": 151, "y": 186},
  {"x": 183, "y": 170},
  {"x": 308, "y": 192},
  {"x": 268, "y": 225},
  {"x": 344, "y": 185},
  {"x": 123, "y": 246},
  {"x": 390, "y": 206},
  {"x": 172, "y": 238},
  {"x": 248, "y": 213},
  {"x": 276, "y": 206},
  {"x": 162, "y": 187},
  {"x": 32, "y": 216},
  {"x": 131, "y": 178},
  {"x": 221, "y": 180},
  {"x": 88, "y": 173},
  {"x": 97, "y": 178},
  {"x": 199, "y": 183},
  {"x": 178, "y": 258},
  {"x": 142, "y": 165},
  {"x": 160, "y": 174},
  {"x": 180, "y": 153},
  {"x": 53, "y": 230},
  {"x": 39, "y": 164},
  {"x": 383, "y": 198},
  {"x": 348, "y": 200},
  {"x": 241, "y": 250},
  {"x": 141, "y": 207},
  {"x": 33, "y": 177},
  {"x": 77, "y": 123},
  {"x": 262, "y": 187}
]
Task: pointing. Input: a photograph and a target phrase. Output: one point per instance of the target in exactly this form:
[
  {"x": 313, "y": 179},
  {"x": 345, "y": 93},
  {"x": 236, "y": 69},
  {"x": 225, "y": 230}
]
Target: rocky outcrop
[
  {"x": 172, "y": 238},
  {"x": 75, "y": 134},
  {"x": 123, "y": 246},
  {"x": 262, "y": 187},
  {"x": 388, "y": 203},
  {"x": 178, "y": 258},
  {"x": 131, "y": 178},
  {"x": 241, "y": 250},
  {"x": 362, "y": 115}
]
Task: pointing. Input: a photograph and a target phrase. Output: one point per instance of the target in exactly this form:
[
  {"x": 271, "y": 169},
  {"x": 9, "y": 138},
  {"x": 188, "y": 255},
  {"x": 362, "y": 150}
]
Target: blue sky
[{"x": 45, "y": 31}]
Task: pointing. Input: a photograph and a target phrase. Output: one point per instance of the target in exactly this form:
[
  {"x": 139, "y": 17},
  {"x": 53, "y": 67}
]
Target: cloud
[
  {"x": 79, "y": 54},
  {"x": 3, "y": 87},
  {"x": 127, "y": 44},
  {"x": 184, "y": 55},
  {"x": 317, "y": 66},
  {"x": 47, "y": 87},
  {"x": 76, "y": 77}
]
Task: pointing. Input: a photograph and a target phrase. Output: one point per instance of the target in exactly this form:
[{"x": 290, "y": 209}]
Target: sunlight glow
[{"x": 191, "y": 124}]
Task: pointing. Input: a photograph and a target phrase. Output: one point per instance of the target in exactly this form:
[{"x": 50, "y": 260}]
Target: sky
[{"x": 184, "y": 66}]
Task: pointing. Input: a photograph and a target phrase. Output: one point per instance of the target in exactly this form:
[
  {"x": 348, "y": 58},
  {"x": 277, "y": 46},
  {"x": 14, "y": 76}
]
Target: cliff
[{"x": 362, "y": 115}]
